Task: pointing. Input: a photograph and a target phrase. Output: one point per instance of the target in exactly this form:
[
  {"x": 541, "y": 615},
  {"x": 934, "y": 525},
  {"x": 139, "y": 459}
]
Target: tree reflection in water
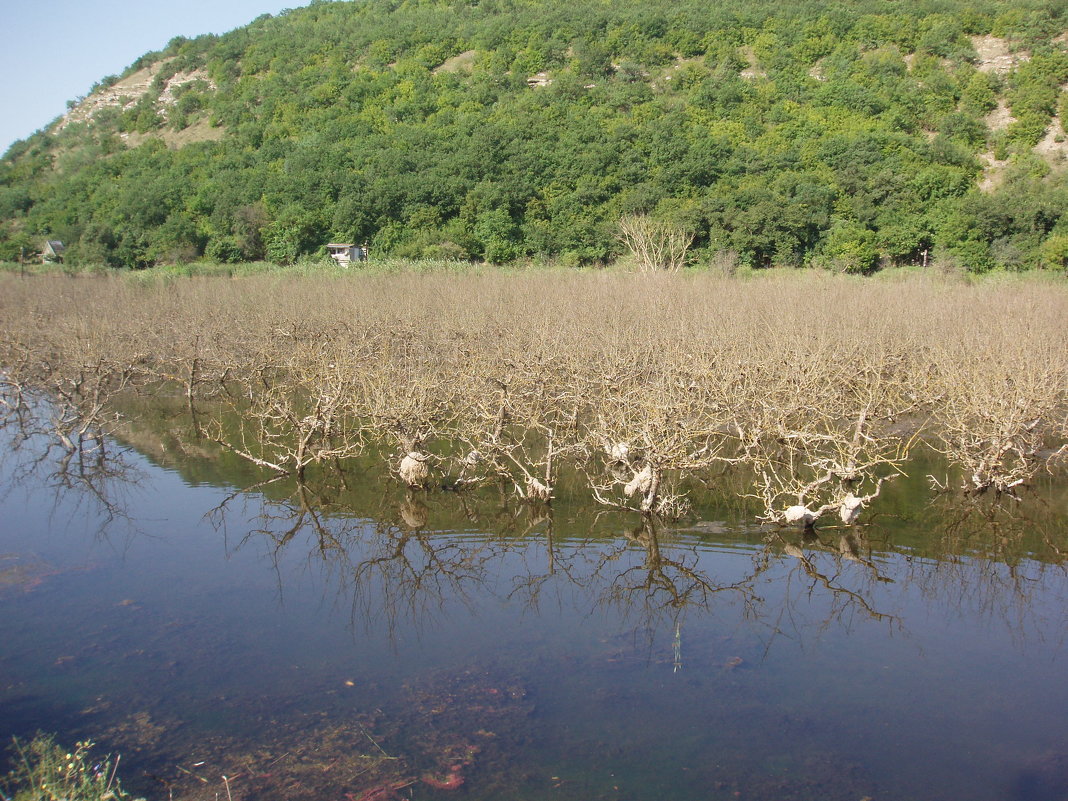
[
  {"x": 404, "y": 558},
  {"x": 399, "y": 560},
  {"x": 53, "y": 445},
  {"x": 395, "y": 565}
]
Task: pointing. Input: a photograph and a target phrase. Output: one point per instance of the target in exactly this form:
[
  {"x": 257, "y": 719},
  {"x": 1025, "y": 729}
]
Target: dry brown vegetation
[
  {"x": 818, "y": 385},
  {"x": 655, "y": 244}
]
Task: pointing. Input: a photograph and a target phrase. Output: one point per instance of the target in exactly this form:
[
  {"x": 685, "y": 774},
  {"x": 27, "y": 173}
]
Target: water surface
[{"x": 346, "y": 639}]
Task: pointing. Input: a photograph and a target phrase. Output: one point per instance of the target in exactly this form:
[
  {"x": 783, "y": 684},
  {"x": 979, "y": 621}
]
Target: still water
[{"x": 346, "y": 640}]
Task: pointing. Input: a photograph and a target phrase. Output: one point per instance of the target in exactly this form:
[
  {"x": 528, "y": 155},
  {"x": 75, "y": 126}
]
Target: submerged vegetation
[
  {"x": 816, "y": 388},
  {"x": 783, "y": 134}
]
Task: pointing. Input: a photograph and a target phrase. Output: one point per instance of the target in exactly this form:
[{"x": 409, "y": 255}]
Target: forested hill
[{"x": 810, "y": 132}]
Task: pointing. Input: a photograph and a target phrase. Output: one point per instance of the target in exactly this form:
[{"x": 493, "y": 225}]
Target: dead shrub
[
  {"x": 817, "y": 384},
  {"x": 1001, "y": 418},
  {"x": 656, "y": 245}
]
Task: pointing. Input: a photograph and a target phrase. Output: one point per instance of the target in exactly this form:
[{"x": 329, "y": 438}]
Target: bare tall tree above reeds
[{"x": 657, "y": 245}]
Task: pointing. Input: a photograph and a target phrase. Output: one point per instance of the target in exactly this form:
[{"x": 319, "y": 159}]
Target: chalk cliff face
[
  {"x": 127, "y": 92},
  {"x": 153, "y": 86},
  {"x": 1001, "y": 57},
  {"x": 997, "y": 55}
]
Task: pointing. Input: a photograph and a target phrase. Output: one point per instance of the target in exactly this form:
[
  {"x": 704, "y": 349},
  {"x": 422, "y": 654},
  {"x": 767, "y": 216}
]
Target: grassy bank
[
  {"x": 718, "y": 266},
  {"x": 307, "y": 267}
]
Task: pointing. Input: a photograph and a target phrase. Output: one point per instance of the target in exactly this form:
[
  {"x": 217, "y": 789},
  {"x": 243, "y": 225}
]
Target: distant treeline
[{"x": 845, "y": 135}]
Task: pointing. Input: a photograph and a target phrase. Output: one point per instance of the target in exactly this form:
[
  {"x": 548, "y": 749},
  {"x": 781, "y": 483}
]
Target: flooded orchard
[{"x": 539, "y": 537}]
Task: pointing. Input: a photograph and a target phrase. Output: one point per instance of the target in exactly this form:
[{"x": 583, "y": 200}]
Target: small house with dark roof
[{"x": 53, "y": 251}]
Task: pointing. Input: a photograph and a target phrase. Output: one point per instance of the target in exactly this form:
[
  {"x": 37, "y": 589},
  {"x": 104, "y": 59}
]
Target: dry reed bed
[{"x": 819, "y": 384}]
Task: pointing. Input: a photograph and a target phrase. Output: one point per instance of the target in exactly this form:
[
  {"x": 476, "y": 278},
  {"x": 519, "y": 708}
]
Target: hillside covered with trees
[{"x": 850, "y": 135}]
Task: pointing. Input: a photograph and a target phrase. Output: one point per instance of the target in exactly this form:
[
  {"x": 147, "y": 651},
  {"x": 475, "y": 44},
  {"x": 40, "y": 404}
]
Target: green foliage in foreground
[
  {"x": 46, "y": 772},
  {"x": 816, "y": 132}
]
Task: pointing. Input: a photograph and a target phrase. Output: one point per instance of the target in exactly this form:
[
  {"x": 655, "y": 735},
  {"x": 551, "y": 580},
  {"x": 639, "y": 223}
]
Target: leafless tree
[{"x": 657, "y": 245}]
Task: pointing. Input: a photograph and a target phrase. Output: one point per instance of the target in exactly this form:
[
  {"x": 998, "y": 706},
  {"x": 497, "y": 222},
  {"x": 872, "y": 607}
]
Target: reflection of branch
[
  {"x": 839, "y": 590},
  {"x": 971, "y": 523},
  {"x": 992, "y": 554},
  {"x": 397, "y": 570},
  {"x": 403, "y": 570},
  {"x": 847, "y": 550},
  {"x": 282, "y": 471},
  {"x": 409, "y": 573},
  {"x": 532, "y": 584},
  {"x": 391, "y": 566},
  {"x": 683, "y": 583},
  {"x": 83, "y": 468}
]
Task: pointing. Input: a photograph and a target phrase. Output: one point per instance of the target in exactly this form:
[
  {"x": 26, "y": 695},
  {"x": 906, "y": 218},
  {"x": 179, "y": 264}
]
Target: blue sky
[{"x": 55, "y": 50}]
